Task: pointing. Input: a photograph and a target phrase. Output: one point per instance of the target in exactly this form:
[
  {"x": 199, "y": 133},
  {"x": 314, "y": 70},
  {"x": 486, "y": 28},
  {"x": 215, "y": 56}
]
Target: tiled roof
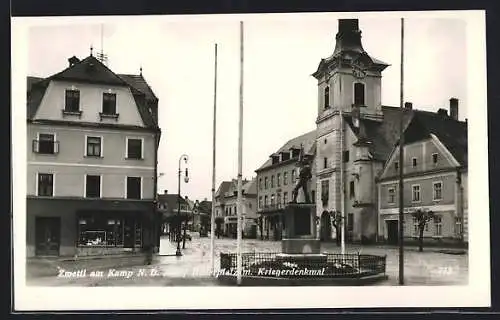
[
  {"x": 170, "y": 200},
  {"x": 223, "y": 188},
  {"x": 307, "y": 140},
  {"x": 92, "y": 70},
  {"x": 384, "y": 135},
  {"x": 205, "y": 206},
  {"x": 139, "y": 83}
]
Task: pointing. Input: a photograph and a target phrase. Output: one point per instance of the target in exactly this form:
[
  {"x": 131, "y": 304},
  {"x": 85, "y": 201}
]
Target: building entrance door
[
  {"x": 392, "y": 231},
  {"x": 48, "y": 236}
]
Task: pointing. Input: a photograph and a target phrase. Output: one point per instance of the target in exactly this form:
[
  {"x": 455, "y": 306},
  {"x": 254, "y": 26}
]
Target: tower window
[
  {"x": 359, "y": 94},
  {"x": 325, "y": 163},
  {"x": 327, "y": 97}
]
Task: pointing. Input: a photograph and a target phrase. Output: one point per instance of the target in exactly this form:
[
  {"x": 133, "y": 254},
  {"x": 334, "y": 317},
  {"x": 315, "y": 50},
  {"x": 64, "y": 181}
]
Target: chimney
[
  {"x": 205, "y": 199},
  {"x": 165, "y": 191},
  {"x": 348, "y": 37},
  {"x": 408, "y": 105},
  {"x": 454, "y": 108},
  {"x": 73, "y": 60},
  {"x": 442, "y": 112}
]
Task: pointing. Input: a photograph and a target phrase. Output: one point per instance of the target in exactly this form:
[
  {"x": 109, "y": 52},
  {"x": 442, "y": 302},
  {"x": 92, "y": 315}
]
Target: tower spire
[{"x": 91, "y": 49}]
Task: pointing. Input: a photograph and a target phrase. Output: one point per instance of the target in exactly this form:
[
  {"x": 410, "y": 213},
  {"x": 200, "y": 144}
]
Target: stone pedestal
[{"x": 299, "y": 236}]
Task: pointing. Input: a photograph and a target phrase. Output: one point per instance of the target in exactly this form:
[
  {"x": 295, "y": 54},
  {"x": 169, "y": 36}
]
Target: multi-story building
[
  {"x": 172, "y": 207},
  {"x": 355, "y": 136},
  {"x": 276, "y": 179},
  {"x": 226, "y": 207},
  {"x": 434, "y": 176},
  {"x": 92, "y": 161}
]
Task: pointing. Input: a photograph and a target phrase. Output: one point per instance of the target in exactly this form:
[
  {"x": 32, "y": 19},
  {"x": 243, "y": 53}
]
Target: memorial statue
[{"x": 305, "y": 174}]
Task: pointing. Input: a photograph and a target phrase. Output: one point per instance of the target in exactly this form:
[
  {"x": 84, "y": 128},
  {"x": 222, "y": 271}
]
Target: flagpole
[
  {"x": 240, "y": 162},
  {"x": 342, "y": 213},
  {"x": 212, "y": 218},
  {"x": 401, "y": 165}
]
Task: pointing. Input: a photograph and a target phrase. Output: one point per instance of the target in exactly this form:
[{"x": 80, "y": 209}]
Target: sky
[{"x": 280, "y": 95}]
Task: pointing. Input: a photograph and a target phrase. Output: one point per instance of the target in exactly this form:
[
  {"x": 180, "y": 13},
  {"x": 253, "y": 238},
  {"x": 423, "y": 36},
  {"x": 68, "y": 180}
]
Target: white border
[{"x": 475, "y": 294}]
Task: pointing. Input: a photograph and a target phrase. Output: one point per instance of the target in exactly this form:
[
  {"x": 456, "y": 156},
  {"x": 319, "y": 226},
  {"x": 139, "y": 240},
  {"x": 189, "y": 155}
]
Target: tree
[
  {"x": 218, "y": 230},
  {"x": 422, "y": 217},
  {"x": 337, "y": 223}
]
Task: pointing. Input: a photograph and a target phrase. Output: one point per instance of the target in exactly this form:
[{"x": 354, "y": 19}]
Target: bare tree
[
  {"x": 422, "y": 217},
  {"x": 337, "y": 223}
]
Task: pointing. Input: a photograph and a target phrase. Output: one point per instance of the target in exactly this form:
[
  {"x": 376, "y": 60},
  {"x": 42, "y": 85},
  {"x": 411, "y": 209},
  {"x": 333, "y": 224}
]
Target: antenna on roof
[{"x": 100, "y": 55}]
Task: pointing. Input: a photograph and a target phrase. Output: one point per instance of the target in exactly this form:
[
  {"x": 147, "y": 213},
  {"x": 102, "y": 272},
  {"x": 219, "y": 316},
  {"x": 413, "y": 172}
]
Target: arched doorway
[{"x": 325, "y": 226}]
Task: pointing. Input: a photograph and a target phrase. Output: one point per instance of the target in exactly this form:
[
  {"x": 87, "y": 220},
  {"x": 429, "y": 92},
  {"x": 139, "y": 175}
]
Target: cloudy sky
[{"x": 280, "y": 95}]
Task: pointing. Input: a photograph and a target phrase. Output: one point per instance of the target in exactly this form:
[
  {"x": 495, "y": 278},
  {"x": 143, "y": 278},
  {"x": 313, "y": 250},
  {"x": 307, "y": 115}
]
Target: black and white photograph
[{"x": 252, "y": 160}]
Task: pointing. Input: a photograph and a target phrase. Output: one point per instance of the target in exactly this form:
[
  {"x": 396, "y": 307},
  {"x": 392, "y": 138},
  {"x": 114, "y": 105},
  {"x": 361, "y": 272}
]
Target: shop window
[{"x": 100, "y": 231}]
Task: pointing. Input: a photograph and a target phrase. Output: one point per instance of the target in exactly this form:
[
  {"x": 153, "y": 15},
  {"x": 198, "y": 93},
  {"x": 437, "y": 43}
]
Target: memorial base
[{"x": 300, "y": 246}]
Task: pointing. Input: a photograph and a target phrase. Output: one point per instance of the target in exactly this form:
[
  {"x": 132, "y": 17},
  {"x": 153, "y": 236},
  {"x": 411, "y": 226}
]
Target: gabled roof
[
  {"x": 205, "y": 206},
  {"x": 92, "y": 70},
  {"x": 223, "y": 188},
  {"x": 307, "y": 141},
  {"x": 417, "y": 124}
]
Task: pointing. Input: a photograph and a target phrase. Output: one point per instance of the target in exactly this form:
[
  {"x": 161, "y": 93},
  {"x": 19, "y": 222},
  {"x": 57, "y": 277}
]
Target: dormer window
[
  {"x": 327, "y": 97},
  {"x": 72, "y": 101},
  {"x": 359, "y": 94},
  {"x": 109, "y": 103}
]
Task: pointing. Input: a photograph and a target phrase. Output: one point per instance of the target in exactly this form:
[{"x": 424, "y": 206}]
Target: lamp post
[{"x": 186, "y": 179}]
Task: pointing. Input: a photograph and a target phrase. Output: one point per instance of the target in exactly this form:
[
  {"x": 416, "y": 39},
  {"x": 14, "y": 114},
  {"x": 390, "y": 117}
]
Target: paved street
[{"x": 431, "y": 267}]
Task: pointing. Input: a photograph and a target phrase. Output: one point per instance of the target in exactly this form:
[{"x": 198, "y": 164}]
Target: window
[
  {"x": 396, "y": 166},
  {"x": 272, "y": 200},
  {"x": 359, "y": 94},
  {"x": 92, "y": 186},
  {"x": 265, "y": 182},
  {"x": 45, "y": 144},
  {"x": 438, "y": 227},
  {"x": 327, "y": 97},
  {"x": 109, "y": 103},
  {"x": 434, "y": 158},
  {"x": 345, "y": 156},
  {"x": 325, "y": 163},
  {"x": 72, "y": 101},
  {"x": 101, "y": 231},
  {"x": 260, "y": 202},
  {"x": 45, "y": 184},
  {"x": 351, "y": 189},
  {"x": 313, "y": 196},
  {"x": 437, "y": 191},
  {"x": 272, "y": 181},
  {"x": 265, "y": 201},
  {"x": 278, "y": 180},
  {"x": 415, "y": 193},
  {"x": 285, "y": 197},
  {"x": 350, "y": 222},
  {"x": 134, "y": 187},
  {"x": 278, "y": 199},
  {"x": 325, "y": 187},
  {"x": 293, "y": 177},
  {"x": 260, "y": 183},
  {"x": 285, "y": 178},
  {"x": 94, "y": 147},
  {"x": 391, "y": 195},
  {"x": 134, "y": 148},
  {"x": 414, "y": 162}
]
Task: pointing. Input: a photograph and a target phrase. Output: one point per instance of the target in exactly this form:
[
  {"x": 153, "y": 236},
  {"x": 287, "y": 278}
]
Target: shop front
[{"x": 69, "y": 227}]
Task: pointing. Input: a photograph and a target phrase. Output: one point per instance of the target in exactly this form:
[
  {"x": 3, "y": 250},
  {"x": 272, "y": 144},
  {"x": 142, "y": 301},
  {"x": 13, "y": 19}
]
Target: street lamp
[{"x": 186, "y": 180}]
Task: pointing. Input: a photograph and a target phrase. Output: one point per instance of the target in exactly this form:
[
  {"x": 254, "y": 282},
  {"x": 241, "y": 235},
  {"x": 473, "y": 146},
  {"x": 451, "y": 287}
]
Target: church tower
[{"x": 349, "y": 83}]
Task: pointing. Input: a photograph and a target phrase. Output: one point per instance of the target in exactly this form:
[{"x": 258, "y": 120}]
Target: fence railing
[{"x": 328, "y": 265}]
